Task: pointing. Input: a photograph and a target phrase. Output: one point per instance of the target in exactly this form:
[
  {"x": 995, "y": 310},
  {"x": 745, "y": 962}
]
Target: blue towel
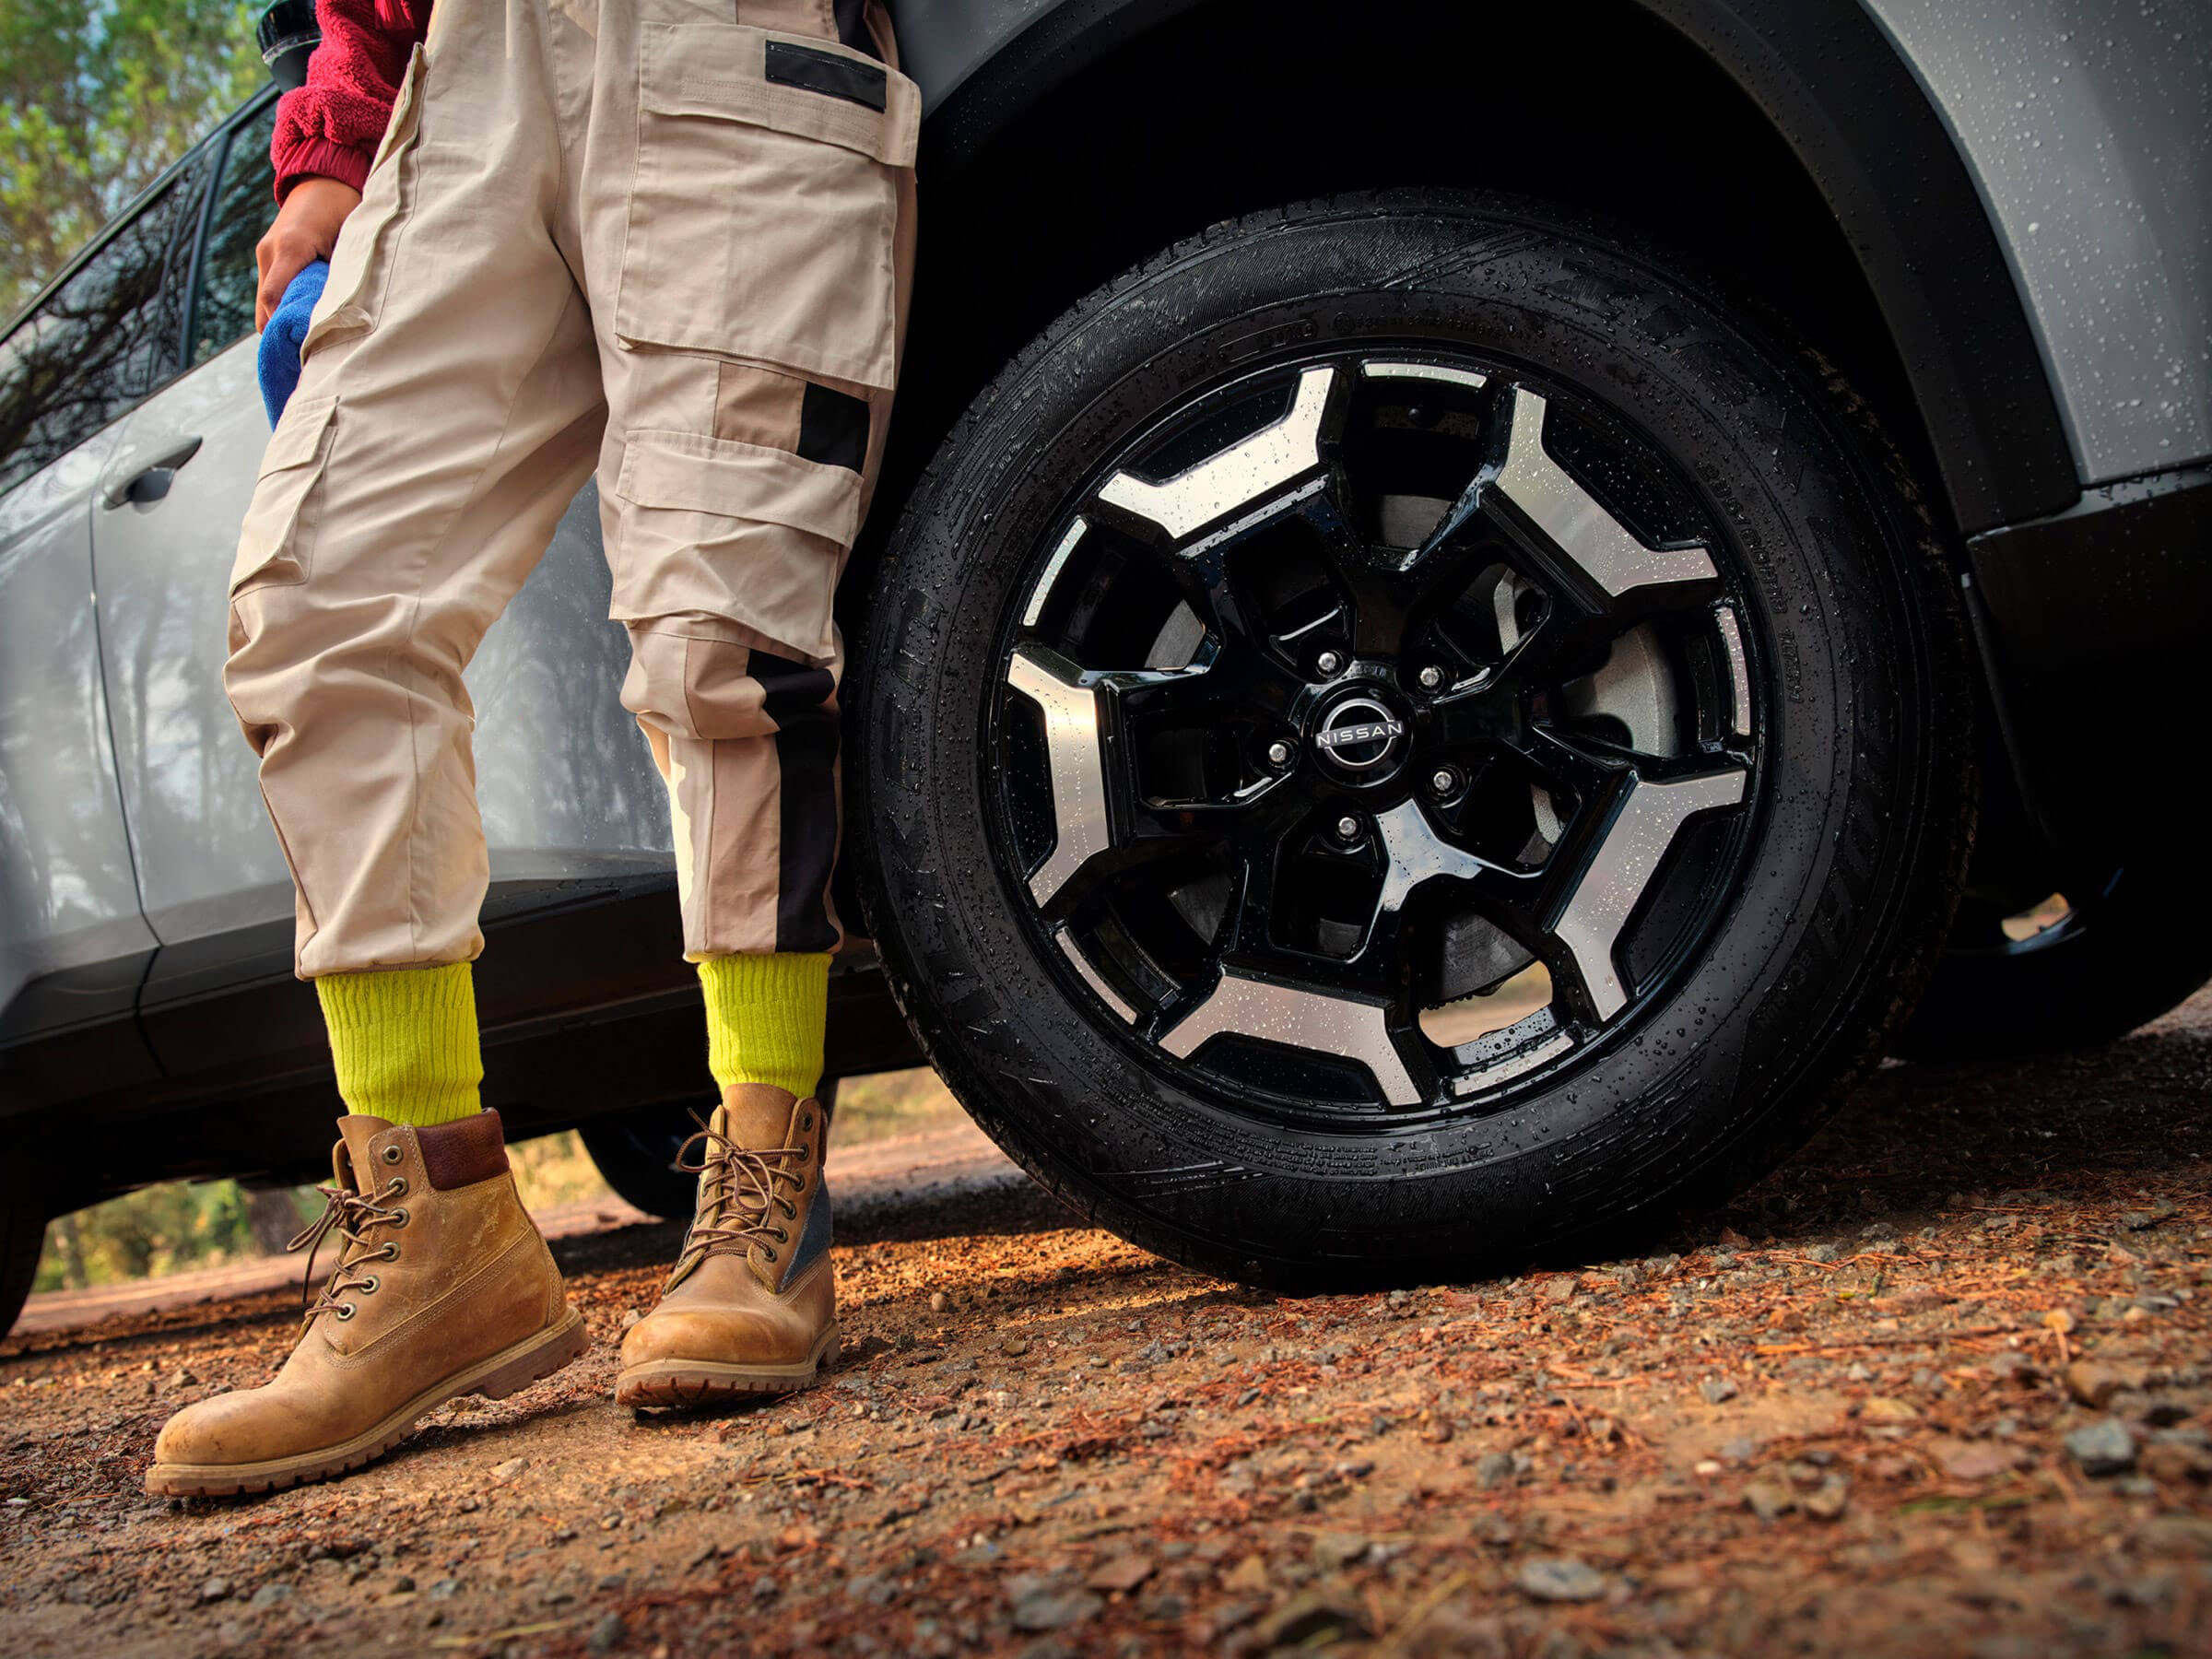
[{"x": 280, "y": 361}]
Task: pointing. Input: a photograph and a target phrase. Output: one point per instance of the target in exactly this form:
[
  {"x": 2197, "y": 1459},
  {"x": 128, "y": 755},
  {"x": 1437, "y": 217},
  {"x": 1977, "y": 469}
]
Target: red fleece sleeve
[{"x": 330, "y": 128}]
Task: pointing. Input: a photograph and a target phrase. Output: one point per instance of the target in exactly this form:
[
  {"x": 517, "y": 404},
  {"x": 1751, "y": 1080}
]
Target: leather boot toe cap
[
  {"x": 716, "y": 1336},
  {"x": 249, "y": 1428}
]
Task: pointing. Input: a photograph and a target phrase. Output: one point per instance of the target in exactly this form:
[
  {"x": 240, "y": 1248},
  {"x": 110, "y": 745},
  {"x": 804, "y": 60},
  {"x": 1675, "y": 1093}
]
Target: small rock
[
  {"x": 445, "y": 1589},
  {"x": 1053, "y": 1610},
  {"x": 503, "y": 1472},
  {"x": 1248, "y": 1574},
  {"x": 180, "y": 1378},
  {"x": 1122, "y": 1573},
  {"x": 607, "y": 1634},
  {"x": 1979, "y": 1460},
  {"x": 1822, "y": 1253},
  {"x": 766, "y": 1589},
  {"x": 1716, "y": 1389},
  {"x": 630, "y": 1317},
  {"x": 1769, "y": 1499},
  {"x": 2093, "y": 1383},
  {"x": 1560, "y": 1289},
  {"x": 1333, "y": 1552},
  {"x": 403, "y": 1585},
  {"x": 269, "y": 1595},
  {"x": 1560, "y": 1579},
  {"x": 1882, "y": 1409},
  {"x": 215, "y": 1590},
  {"x": 1492, "y": 1468},
  {"x": 1827, "y": 1502},
  {"x": 937, "y": 1304},
  {"x": 2102, "y": 1448}
]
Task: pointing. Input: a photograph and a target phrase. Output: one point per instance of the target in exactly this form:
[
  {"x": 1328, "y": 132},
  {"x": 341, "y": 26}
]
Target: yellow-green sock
[
  {"x": 405, "y": 1043},
  {"x": 765, "y": 1015}
]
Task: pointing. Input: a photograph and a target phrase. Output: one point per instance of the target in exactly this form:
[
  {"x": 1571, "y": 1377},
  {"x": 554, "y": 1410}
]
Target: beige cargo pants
[{"x": 667, "y": 240}]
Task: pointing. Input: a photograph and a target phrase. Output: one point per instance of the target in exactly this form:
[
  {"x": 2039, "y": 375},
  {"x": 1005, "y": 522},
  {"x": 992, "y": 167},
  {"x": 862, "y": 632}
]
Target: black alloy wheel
[
  {"x": 1399, "y": 737},
  {"x": 1340, "y": 699}
]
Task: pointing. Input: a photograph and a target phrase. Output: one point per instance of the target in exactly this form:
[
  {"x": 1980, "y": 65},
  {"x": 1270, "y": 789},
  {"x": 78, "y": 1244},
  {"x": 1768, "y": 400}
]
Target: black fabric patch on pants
[
  {"x": 803, "y": 703},
  {"x": 852, "y": 25},
  {"x": 790, "y": 65},
  {"x": 833, "y": 427}
]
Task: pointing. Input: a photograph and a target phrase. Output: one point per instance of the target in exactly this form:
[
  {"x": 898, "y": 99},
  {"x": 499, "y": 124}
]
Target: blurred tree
[{"x": 96, "y": 98}]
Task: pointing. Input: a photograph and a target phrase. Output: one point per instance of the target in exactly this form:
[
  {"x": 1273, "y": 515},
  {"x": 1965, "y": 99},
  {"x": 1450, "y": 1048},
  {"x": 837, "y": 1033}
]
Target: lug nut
[
  {"x": 1279, "y": 753},
  {"x": 1431, "y": 676},
  {"x": 1444, "y": 781},
  {"x": 1328, "y": 662},
  {"x": 1348, "y": 827}
]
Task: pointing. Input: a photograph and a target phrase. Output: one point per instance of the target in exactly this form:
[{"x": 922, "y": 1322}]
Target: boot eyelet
[
  {"x": 371, "y": 1285},
  {"x": 399, "y": 1216},
  {"x": 396, "y": 1187},
  {"x": 782, "y": 1237},
  {"x": 393, "y": 1154},
  {"x": 769, "y": 1251},
  {"x": 344, "y": 1309},
  {"x": 390, "y": 1252},
  {"x": 806, "y": 1119}
]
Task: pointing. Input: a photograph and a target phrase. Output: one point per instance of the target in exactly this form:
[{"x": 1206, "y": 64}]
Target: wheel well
[{"x": 1602, "y": 107}]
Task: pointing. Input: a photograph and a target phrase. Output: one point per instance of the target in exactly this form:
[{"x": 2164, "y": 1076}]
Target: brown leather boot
[
  {"x": 751, "y": 1306},
  {"x": 444, "y": 1288}
]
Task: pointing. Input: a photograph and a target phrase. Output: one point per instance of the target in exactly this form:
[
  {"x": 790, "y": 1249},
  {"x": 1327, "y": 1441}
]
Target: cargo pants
[{"x": 664, "y": 239}]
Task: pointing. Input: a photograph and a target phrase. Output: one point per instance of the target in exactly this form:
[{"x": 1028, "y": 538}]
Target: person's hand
[{"x": 306, "y": 230}]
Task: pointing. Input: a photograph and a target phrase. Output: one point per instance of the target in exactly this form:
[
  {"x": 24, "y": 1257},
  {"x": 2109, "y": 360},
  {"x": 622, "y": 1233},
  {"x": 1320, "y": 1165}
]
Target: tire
[
  {"x": 635, "y": 1152},
  {"x": 22, "y": 1235},
  {"x": 1321, "y": 383},
  {"x": 2131, "y": 948}
]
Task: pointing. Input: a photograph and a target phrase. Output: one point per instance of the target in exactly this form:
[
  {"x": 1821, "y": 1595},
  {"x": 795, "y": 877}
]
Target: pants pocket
[
  {"x": 274, "y": 540},
  {"x": 765, "y": 206},
  {"x": 714, "y": 527},
  {"x": 361, "y": 262}
]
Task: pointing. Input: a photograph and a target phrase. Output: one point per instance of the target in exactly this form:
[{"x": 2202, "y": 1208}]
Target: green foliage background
[{"x": 96, "y": 98}]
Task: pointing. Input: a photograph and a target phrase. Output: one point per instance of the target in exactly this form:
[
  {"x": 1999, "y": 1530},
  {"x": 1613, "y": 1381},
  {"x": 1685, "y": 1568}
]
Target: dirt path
[{"x": 1939, "y": 1387}]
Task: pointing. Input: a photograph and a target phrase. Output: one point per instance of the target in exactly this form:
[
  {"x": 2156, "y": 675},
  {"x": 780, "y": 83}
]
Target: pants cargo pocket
[
  {"x": 361, "y": 262},
  {"x": 714, "y": 527},
  {"x": 765, "y": 206},
  {"x": 276, "y": 540}
]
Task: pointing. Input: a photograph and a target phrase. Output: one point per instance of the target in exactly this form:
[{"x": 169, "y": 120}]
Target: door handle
[{"x": 152, "y": 481}]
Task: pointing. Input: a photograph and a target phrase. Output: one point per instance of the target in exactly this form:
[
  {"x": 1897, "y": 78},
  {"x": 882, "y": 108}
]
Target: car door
[
  {"x": 73, "y": 943},
  {"x": 565, "y": 781}
]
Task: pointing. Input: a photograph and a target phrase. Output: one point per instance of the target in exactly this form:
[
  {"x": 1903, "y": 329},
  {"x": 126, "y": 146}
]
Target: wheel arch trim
[{"x": 1825, "y": 77}]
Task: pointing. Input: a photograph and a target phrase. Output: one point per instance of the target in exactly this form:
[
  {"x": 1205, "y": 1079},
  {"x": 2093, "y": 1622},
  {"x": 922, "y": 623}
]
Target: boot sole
[
  {"x": 506, "y": 1372},
  {"x": 702, "y": 1382}
]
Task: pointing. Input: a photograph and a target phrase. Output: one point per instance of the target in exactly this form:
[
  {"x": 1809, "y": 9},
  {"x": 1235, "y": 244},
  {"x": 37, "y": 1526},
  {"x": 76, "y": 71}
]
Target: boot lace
[
  {"x": 351, "y": 1215},
  {"x": 742, "y": 1197}
]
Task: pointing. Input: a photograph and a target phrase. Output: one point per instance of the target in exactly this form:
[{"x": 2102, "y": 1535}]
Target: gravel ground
[{"x": 1941, "y": 1386}]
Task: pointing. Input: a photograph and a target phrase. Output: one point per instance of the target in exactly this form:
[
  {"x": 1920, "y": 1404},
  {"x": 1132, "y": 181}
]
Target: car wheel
[
  {"x": 22, "y": 1236},
  {"x": 2127, "y": 949},
  {"x": 1397, "y": 737},
  {"x": 635, "y": 1152}
]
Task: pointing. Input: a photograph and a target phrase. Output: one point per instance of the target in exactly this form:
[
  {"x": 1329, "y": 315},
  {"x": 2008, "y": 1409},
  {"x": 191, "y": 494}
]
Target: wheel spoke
[
  {"x": 1544, "y": 499},
  {"x": 1245, "y": 475},
  {"x": 1081, "y": 813},
  {"x": 1606, "y": 870},
  {"x": 1328, "y": 1022}
]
